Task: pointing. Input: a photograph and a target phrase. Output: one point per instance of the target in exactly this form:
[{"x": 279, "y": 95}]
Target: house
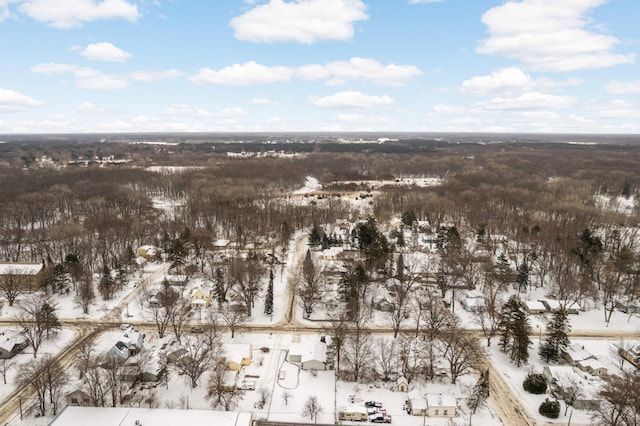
[
  {"x": 199, "y": 298},
  {"x": 220, "y": 244},
  {"x": 534, "y": 307},
  {"x": 109, "y": 416},
  {"x": 332, "y": 253},
  {"x": 578, "y": 390},
  {"x": 593, "y": 367},
  {"x": 25, "y": 276},
  {"x": 439, "y": 405},
  {"x": 119, "y": 351},
  {"x": 177, "y": 280},
  {"x": 402, "y": 384},
  {"x": 308, "y": 355},
  {"x": 237, "y": 355},
  {"x": 473, "y": 303},
  {"x": 11, "y": 346},
  {"x": 78, "y": 398},
  {"x": 576, "y": 353},
  {"x": 553, "y": 305},
  {"x": 148, "y": 252},
  {"x": 417, "y": 403}
]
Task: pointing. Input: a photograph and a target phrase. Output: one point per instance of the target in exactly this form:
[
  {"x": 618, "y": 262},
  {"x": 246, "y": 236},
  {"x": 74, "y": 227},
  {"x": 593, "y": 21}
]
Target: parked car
[
  {"x": 373, "y": 404},
  {"x": 197, "y": 330},
  {"x": 379, "y": 418}
]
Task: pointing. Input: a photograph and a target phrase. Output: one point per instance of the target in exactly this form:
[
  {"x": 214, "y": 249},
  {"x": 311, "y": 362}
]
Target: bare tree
[
  {"x": 11, "y": 284},
  {"x": 246, "y": 276},
  {"x": 359, "y": 345},
  {"x": 31, "y": 375},
  {"x": 488, "y": 315},
  {"x": 400, "y": 302},
  {"x": 232, "y": 317},
  {"x": 460, "y": 350},
  {"x": 339, "y": 328},
  {"x": 179, "y": 317},
  {"x": 620, "y": 405},
  {"x": 387, "y": 357},
  {"x": 33, "y": 325},
  {"x": 312, "y": 409},
  {"x": 263, "y": 396},
  {"x": 286, "y": 396},
  {"x": 198, "y": 358},
  {"x": 409, "y": 357},
  {"x": 5, "y": 366},
  {"x": 85, "y": 294},
  {"x": 223, "y": 394},
  {"x": 435, "y": 319},
  {"x": 163, "y": 311}
]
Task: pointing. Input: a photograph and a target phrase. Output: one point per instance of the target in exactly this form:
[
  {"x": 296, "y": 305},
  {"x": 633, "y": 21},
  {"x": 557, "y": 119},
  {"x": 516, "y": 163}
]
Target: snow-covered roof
[
  {"x": 20, "y": 268},
  {"x": 236, "y": 352},
  {"x": 418, "y": 401},
  {"x": 441, "y": 400},
  {"x": 534, "y": 305},
  {"x": 109, "y": 416},
  {"x": 577, "y": 352},
  {"x": 476, "y": 301},
  {"x": 309, "y": 351}
]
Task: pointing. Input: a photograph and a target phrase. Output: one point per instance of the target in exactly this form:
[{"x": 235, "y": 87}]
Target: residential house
[
  {"x": 578, "y": 390},
  {"x": 439, "y": 405},
  {"x": 534, "y": 307},
  {"x": 26, "y": 276},
  {"x": 11, "y": 346},
  {"x": 553, "y": 305},
  {"x": 237, "y": 355},
  {"x": 309, "y": 354},
  {"x": 417, "y": 403},
  {"x": 119, "y": 351},
  {"x": 473, "y": 303},
  {"x": 199, "y": 298},
  {"x": 78, "y": 398},
  {"x": 148, "y": 252},
  {"x": 593, "y": 367},
  {"x": 576, "y": 353}
]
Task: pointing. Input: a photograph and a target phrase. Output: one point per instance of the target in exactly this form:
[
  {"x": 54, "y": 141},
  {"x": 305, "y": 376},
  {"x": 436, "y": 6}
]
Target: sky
[{"x": 69, "y": 66}]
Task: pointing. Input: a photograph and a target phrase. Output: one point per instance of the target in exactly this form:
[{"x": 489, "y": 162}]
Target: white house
[
  {"x": 534, "y": 307},
  {"x": 417, "y": 403},
  {"x": 439, "y": 405},
  {"x": 473, "y": 303},
  {"x": 309, "y": 354}
]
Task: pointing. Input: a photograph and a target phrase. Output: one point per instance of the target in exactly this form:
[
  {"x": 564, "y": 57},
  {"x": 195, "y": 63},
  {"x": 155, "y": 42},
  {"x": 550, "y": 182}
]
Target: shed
[
  {"x": 473, "y": 303},
  {"x": 402, "y": 384}
]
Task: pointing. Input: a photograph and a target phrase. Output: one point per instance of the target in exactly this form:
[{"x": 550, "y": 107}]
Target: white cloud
[
  {"x": 550, "y": 35},
  {"x": 89, "y": 78},
  {"x": 262, "y": 101},
  {"x": 186, "y": 110},
  {"x": 66, "y": 14},
  {"x": 13, "y": 101},
  {"x": 448, "y": 109},
  {"x": 356, "y": 68},
  {"x": 87, "y": 107},
  {"x": 151, "y": 76},
  {"x": 5, "y": 13},
  {"x": 527, "y": 101},
  {"x": 105, "y": 51},
  {"x": 623, "y": 87},
  {"x": 351, "y": 99},
  {"x": 243, "y": 74},
  {"x": 299, "y": 21},
  {"x": 103, "y": 82},
  {"x": 57, "y": 68},
  {"x": 503, "y": 80}
]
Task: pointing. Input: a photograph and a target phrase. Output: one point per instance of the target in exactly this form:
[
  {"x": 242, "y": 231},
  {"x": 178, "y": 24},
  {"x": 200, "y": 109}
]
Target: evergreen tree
[
  {"x": 557, "y": 336},
  {"x": 521, "y": 330},
  {"x": 107, "y": 283},
  {"x": 315, "y": 236},
  {"x": 480, "y": 392},
  {"x": 48, "y": 319},
  {"x": 515, "y": 337},
  {"x": 522, "y": 277},
  {"x": 268, "y": 300}
]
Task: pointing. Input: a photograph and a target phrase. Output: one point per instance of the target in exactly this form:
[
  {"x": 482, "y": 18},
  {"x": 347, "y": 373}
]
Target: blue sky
[{"x": 319, "y": 65}]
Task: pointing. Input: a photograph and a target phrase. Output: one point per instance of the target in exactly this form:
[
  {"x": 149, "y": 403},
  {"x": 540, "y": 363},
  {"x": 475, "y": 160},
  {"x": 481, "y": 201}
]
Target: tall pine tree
[
  {"x": 268, "y": 300},
  {"x": 557, "y": 336},
  {"x": 515, "y": 328}
]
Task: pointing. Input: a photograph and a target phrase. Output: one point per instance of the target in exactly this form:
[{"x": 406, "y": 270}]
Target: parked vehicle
[
  {"x": 373, "y": 404},
  {"x": 379, "y": 418}
]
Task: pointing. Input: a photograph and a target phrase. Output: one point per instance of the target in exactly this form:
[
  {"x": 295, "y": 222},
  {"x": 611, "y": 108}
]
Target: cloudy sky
[{"x": 318, "y": 65}]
